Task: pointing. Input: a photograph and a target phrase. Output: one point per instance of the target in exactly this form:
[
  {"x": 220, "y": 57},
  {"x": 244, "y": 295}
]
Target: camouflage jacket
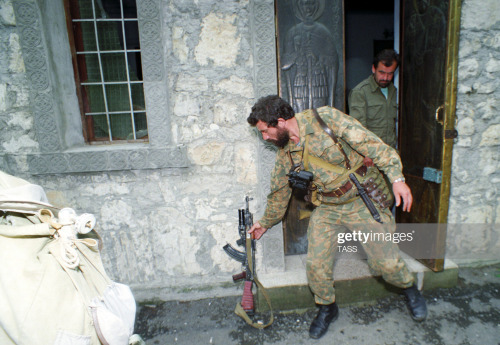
[{"x": 357, "y": 142}]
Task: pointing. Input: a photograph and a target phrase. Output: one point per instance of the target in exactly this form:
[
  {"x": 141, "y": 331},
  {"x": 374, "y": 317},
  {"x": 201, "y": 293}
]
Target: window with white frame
[{"x": 104, "y": 38}]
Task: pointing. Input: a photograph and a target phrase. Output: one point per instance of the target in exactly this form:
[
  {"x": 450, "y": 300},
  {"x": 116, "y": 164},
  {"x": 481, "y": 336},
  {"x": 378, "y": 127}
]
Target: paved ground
[{"x": 466, "y": 314}]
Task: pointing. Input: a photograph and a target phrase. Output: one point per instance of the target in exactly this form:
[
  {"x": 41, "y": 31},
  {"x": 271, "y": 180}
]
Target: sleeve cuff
[
  {"x": 265, "y": 224},
  {"x": 399, "y": 179}
]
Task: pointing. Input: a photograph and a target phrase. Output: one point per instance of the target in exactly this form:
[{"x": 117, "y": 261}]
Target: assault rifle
[{"x": 247, "y": 259}]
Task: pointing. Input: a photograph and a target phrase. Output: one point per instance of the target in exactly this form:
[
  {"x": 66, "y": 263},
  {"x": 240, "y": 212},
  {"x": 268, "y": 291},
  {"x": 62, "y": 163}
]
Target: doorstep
[{"x": 354, "y": 283}]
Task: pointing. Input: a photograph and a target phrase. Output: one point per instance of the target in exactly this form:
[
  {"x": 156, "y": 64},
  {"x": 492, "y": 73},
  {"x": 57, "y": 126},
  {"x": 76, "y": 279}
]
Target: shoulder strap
[
  {"x": 333, "y": 136},
  {"x": 319, "y": 162}
]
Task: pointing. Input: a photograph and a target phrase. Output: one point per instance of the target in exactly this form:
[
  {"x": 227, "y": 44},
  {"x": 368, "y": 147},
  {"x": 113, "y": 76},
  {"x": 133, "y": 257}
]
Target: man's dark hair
[
  {"x": 269, "y": 109},
  {"x": 387, "y": 57}
]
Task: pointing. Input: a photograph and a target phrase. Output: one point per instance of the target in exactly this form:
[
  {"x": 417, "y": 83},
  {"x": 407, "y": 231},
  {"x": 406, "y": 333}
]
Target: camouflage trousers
[{"x": 325, "y": 225}]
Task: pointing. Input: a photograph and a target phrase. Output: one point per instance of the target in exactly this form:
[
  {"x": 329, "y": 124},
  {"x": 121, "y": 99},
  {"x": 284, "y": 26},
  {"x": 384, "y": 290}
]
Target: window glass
[
  {"x": 117, "y": 97},
  {"x": 106, "y": 41}
]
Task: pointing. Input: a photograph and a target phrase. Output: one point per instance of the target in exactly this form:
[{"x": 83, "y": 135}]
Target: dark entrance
[{"x": 369, "y": 28}]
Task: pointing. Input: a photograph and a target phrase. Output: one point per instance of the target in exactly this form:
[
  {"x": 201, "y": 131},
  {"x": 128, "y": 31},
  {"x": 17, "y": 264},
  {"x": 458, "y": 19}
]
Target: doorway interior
[{"x": 370, "y": 26}]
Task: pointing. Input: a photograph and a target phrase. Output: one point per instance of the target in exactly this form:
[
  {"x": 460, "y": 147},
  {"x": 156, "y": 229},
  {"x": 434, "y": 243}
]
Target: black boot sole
[
  {"x": 418, "y": 319},
  {"x": 326, "y": 330}
]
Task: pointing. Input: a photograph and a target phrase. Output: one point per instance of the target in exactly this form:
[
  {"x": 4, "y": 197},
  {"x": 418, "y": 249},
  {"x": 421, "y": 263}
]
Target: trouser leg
[
  {"x": 383, "y": 254},
  {"x": 322, "y": 238},
  {"x": 384, "y": 259}
]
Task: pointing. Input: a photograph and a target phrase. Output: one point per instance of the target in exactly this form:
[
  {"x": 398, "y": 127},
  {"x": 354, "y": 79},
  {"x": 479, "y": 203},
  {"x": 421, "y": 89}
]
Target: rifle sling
[
  {"x": 239, "y": 309},
  {"x": 320, "y": 162},
  {"x": 333, "y": 136}
]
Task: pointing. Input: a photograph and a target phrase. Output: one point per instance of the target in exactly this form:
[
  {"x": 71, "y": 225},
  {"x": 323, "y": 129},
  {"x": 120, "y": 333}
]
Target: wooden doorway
[
  {"x": 427, "y": 106},
  {"x": 429, "y": 56}
]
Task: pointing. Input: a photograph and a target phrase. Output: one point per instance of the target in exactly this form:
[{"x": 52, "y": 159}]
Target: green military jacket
[
  {"x": 369, "y": 106},
  {"x": 357, "y": 142}
]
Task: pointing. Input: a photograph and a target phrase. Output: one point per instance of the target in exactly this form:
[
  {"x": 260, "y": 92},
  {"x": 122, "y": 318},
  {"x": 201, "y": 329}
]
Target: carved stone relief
[{"x": 265, "y": 83}]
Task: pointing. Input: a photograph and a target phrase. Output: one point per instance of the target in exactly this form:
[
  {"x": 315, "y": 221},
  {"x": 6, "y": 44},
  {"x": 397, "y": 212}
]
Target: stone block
[
  {"x": 491, "y": 136},
  {"x": 219, "y": 41},
  {"x": 206, "y": 154},
  {"x": 285, "y": 298},
  {"x": 7, "y": 16},
  {"x": 236, "y": 86},
  {"x": 479, "y": 15}
]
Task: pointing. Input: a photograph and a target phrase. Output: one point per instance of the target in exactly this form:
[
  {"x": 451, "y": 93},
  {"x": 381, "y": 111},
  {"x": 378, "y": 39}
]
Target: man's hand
[
  {"x": 402, "y": 191},
  {"x": 257, "y": 230}
]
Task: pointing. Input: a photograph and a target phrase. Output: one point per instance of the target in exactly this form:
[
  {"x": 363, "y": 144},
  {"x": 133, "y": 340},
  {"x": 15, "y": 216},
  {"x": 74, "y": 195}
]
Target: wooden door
[{"x": 429, "y": 54}]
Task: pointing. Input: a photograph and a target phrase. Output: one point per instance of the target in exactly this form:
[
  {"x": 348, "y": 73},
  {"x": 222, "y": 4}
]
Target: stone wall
[
  {"x": 16, "y": 121},
  {"x": 475, "y": 183},
  {"x": 163, "y": 229}
]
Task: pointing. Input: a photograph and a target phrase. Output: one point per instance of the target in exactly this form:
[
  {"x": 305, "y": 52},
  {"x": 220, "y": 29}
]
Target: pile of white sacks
[{"x": 53, "y": 286}]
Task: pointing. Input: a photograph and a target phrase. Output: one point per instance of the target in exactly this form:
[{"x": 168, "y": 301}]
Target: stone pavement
[{"x": 468, "y": 313}]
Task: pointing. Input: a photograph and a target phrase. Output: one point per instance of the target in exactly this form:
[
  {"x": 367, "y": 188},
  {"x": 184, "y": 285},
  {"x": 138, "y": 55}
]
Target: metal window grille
[{"x": 109, "y": 66}]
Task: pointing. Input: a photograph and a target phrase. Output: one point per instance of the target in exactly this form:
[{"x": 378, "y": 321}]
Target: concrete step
[{"x": 354, "y": 283}]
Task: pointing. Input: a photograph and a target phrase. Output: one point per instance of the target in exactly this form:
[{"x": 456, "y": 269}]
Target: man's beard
[
  {"x": 383, "y": 83},
  {"x": 283, "y": 138}
]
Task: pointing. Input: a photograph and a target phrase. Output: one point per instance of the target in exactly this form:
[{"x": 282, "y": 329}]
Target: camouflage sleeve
[
  {"x": 357, "y": 106},
  {"x": 277, "y": 200},
  {"x": 369, "y": 145}
]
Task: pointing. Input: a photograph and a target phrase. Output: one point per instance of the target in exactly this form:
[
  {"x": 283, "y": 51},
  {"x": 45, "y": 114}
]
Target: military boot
[
  {"x": 326, "y": 314},
  {"x": 416, "y": 303}
]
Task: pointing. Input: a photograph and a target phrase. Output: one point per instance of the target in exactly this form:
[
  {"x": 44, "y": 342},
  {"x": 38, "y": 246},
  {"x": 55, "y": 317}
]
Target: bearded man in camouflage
[{"x": 304, "y": 143}]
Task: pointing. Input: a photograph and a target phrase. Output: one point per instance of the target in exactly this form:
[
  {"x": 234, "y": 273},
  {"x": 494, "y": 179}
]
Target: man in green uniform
[
  {"x": 373, "y": 101},
  {"x": 304, "y": 145}
]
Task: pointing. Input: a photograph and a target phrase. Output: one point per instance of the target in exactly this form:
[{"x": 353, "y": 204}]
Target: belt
[{"x": 346, "y": 186}]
